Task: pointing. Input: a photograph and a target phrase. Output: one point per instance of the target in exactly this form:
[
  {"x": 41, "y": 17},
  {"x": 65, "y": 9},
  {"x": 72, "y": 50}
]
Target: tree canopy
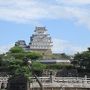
[
  {"x": 16, "y": 49},
  {"x": 83, "y": 59},
  {"x": 13, "y": 60}
]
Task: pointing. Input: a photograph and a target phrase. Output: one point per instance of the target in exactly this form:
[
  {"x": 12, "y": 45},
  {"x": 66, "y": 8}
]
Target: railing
[
  {"x": 61, "y": 79},
  {"x": 56, "y": 82},
  {"x": 63, "y": 82}
]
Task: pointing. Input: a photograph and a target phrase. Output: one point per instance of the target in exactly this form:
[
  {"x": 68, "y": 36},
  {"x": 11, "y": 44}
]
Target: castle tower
[
  {"x": 41, "y": 41},
  {"x": 20, "y": 43}
]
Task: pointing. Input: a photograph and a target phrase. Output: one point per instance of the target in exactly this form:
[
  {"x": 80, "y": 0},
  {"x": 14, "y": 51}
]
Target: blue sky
[{"x": 67, "y": 21}]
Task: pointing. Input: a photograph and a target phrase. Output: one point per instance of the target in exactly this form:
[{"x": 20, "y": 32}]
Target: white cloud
[
  {"x": 80, "y": 2},
  {"x": 5, "y": 48},
  {"x": 23, "y": 11},
  {"x": 63, "y": 46}
]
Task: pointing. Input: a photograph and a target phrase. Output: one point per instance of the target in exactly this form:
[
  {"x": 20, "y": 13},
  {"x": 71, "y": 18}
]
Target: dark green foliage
[
  {"x": 16, "y": 67},
  {"x": 59, "y": 66},
  {"x": 38, "y": 66},
  {"x": 60, "y": 56},
  {"x": 18, "y": 55},
  {"x": 33, "y": 55},
  {"x": 16, "y": 49},
  {"x": 83, "y": 59},
  {"x": 13, "y": 61},
  {"x": 17, "y": 52},
  {"x": 23, "y": 70},
  {"x": 1, "y": 60}
]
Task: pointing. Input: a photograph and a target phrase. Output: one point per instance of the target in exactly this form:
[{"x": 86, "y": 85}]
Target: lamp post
[{"x": 29, "y": 63}]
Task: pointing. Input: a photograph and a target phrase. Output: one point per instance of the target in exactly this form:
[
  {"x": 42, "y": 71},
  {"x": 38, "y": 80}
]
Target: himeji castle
[{"x": 40, "y": 41}]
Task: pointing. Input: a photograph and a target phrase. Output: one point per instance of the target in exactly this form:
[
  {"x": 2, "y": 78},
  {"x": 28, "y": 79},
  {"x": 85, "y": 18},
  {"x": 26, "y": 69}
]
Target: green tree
[
  {"x": 16, "y": 67},
  {"x": 59, "y": 66},
  {"x": 16, "y": 52},
  {"x": 1, "y": 58},
  {"x": 16, "y": 49},
  {"x": 83, "y": 59},
  {"x": 33, "y": 55},
  {"x": 13, "y": 62},
  {"x": 38, "y": 68}
]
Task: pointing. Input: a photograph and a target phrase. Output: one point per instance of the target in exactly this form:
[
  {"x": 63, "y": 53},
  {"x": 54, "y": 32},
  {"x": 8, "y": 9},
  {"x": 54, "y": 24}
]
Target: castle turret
[{"x": 21, "y": 43}]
